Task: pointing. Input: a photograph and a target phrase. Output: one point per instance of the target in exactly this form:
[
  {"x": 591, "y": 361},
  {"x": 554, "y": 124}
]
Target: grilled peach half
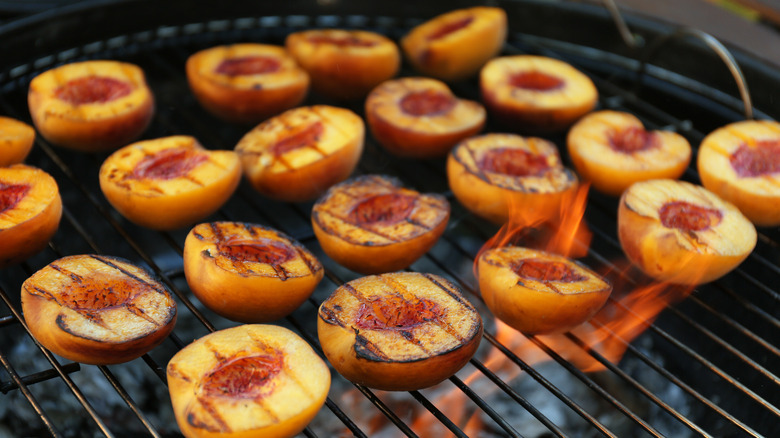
[
  {"x": 16, "y": 141},
  {"x": 491, "y": 173},
  {"x": 401, "y": 331},
  {"x": 30, "y": 212},
  {"x": 612, "y": 150},
  {"x": 91, "y": 106},
  {"x": 344, "y": 64},
  {"x": 740, "y": 163},
  {"x": 682, "y": 233},
  {"x": 247, "y": 272},
  {"x": 246, "y": 83},
  {"x": 420, "y": 117},
  {"x": 248, "y": 381},
  {"x": 169, "y": 182},
  {"x": 535, "y": 93},
  {"x": 298, "y": 154},
  {"x": 539, "y": 292},
  {"x": 454, "y": 45},
  {"x": 97, "y": 309},
  {"x": 371, "y": 224}
]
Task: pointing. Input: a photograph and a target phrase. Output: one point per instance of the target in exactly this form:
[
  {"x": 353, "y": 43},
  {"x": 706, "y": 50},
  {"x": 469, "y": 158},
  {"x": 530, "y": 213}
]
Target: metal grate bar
[
  {"x": 445, "y": 420},
  {"x": 128, "y": 400},
  {"x": 485, "y": 407}
]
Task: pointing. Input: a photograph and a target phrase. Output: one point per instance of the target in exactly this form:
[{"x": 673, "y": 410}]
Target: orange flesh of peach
[
  {"x": 388, "y": 208},
  {"x": 543, "y": 270},
  {"x": 633, "y": 139},
  {"x": 11, "y": 194},
  {"x": 102, "y": 292},
  {"x": 515, "y": 162},
  {"x": 763, "y": 159},
  {"x": 427, "y": 103},
  {"x": 448, "y": 28},
  {"x": 307, "y": 136},
  {"x": 248, "y": 65},
  {"x": 689, "y": 217},
  {"x": 341, "y": 41},
  {"x": 244, "y": 377},
  {"x": 393, "y": 312},
  {"x": 261, "y": 251},
  {"x": 168, "y": 164},
  {"x": 92, "y": 89},
  {"x": 535, "y": 80}
]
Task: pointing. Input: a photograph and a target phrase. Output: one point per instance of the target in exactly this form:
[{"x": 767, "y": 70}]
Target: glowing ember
[{"x": 244, "y": 377}]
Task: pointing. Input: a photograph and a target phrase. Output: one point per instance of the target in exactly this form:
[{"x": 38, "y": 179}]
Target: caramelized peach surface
[
  {"x": 16, "y": 141},
  {"x": 344, "y": 64},
  {"x": 740, "y": 162},
  {"x": 92, "y": 105},
  {"x": 539, "y": 292},
  {"x": 169, "y": 182},
  {"x": 248, "y": 272},
  {"x": 490, "y": 173},
  {"x": 535, "y": 93},
  {"x": 455, "y": 45},
  {"x": 297, "y": 155},
  {"x": 247, "y": 381},
  {"x": 682, "y": 233},
  {"x": 30, "y": 212},
  {"x": 613, "y": 150},
  {"x": 371, "y": 224},
  {"x": 420, "y": 117},
  {"x": 400, "y": 331},
  {"x": 97, "y": 309}
]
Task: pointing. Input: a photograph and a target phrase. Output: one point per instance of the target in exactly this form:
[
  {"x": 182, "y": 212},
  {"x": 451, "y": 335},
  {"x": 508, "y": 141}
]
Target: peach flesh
[
  {"x": 248, "y": 65},
  {"x": 264, "y": 251},
  {"x": 11, "y": 194},
  {"x": 449, "y": 28},
  {"x": 764, "y": 159},
  {"x": 537, "y": 81},
  {"x": 97, "y": 295},
  {"x": 515, "y": 162},
  {"x": 168, "y": 164},
  {"x": 394, "y": 312},
  {"x": 427, "y": 103},
  {"x": 541, "y": 270},
  {"x": 689, "y": 217},
  {"x": 244, "y": 377},
  {"x": 307, "y": 136},
  {"x": 346, "y": 41},
  {"x": 633, "y": 139},
  {"x": 92, "y": 89},
  {"x": 388, "y": 208}
]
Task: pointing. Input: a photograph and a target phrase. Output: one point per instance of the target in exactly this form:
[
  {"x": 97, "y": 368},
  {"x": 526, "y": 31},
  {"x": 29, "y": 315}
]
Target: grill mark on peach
[
  {"x": 124, "y": 271},
  {"x": 139, "y": 312},
  {"x": 306, "y": 261},
  {"x": 174, "y": 371},
  {"x": 346, "y": 221},
  {"x": 473, "y": 169},
  {"x": 92, "y": 317},
  {"x": 211, "y": 410},
  {"x": 367, "y": 350},
  {"x": 331, "y": 317}
]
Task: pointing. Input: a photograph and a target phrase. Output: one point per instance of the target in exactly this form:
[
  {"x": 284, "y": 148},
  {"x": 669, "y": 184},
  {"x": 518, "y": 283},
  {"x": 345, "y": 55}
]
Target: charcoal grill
[{"x": 708, "y": 365}]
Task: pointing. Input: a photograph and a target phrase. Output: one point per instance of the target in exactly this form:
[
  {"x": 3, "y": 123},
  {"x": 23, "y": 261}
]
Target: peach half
[
  {"x": 247, "y": 381},
  {"x": 420, "y": 117},
  {"x": 91, "y": 106},
  {"x": 612, "y": 150},
  {"x": 298, "y": 154},
  {"x": 535, "y": 93},
  {"x": 740, "y": 162},
  {"x": 246, "y": 83},
  {"x": 344, "y": 64},
  {"x": 16, "y": 141},
  {"x": 97, "y": 309},
  {"x": 682, "y": 233},
  {"x": 456, "y": 44},
  {"x": 30, "y": 212},
  {"x": 371, "y": 224},
  {"x": 538, "y": 292},
  {"x": 401, "y": 331},
  {"x": 247, "y": 272},
  {"x": 169, "y": 182},
  {"x": 492, "y": 174}
]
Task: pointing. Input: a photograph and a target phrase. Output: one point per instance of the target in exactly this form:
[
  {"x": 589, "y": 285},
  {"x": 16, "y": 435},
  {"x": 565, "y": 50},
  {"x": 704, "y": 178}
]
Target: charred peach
[
  {"x": 247, "y": 272},
  {"x": 402, "y": 331},
  {"x": 298, "y": 154},
  {"x": 169, "y": 182},
  {"x": 16, "y": 141},
  {"x": 613, "y": 150},
  {"x": 246, "y": 83},
  {"x": 371, "y": 224},
  {"x": 741, "y": 163},
  {"x": 92, "y": 105},
  {"x": 682, "y": 233},
  {"x": 492, "y": 172},
  {"x": 535, "y": 93},
  {"x": 247, "y": 381},
  {"x": 420, "y": 117},
  {"x": 97, "y": 309},
  {"x": 539, "y": 292},
  {"x": 30, "y": 212},
  {"x": 344, "y": 64},
  {"x": 455, "y": 45}
]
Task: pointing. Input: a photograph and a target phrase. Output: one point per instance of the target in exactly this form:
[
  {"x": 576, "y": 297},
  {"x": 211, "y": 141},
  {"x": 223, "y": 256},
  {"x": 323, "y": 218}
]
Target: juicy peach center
[
  {"x": 307, "y": 136},
  {"x": 244, "y": 377},
  {"x": 515, "y": 162},
  {"x": 393, "y": 312},
  {"x": 260, "y": 251},
  {"x": 535, "y": 81},
  {"x": 545, "y": 270},
  {"x": 387, "y": 208},
  {"x": 168, "y": 164},
  {"x": 341, "y": 41},
  {"x": 762, "y": 159},
  {"x": 11, "y": 195},
  {"x": 97, "y": 294},
  {"x": 689, "y": 217},
  {"x": 92, "y": 89},
  {"x": 448, "y": 28},
  {"x": 633, "y": 139},
  {"x": 427, "y": 103},
  {"x": 248, "y": 65}
]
